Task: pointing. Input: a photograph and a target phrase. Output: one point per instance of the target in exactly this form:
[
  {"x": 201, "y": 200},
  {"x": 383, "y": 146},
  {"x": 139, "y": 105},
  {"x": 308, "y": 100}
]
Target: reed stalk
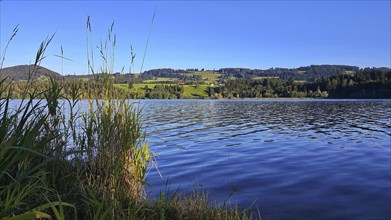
[{"x": 78, "y": 150}]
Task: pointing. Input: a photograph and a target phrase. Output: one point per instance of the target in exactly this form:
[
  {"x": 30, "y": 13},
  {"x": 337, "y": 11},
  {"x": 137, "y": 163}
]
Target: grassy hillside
[
  {"x": 193, "y": 92},
  {"x": 161, "y": 79},
  {"x": 208, "y": 76},
  {"x": 266, "y": 77},
  {"x": 190, "y": 91}
]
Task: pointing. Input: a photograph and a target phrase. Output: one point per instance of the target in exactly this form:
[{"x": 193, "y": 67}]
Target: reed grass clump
[{"x": 82, "y": 155}]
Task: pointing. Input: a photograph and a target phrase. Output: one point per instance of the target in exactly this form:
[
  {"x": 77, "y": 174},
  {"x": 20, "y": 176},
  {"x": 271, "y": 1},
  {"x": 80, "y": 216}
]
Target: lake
[{"x": 295, "y": 159}]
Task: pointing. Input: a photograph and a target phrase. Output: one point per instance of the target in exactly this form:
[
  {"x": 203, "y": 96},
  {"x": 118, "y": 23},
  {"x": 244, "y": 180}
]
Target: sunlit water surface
[{"x": 294, "y": 159}]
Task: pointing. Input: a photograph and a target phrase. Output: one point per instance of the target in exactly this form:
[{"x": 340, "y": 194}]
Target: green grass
[
  {"x": 161, "y": 79},
  {"x": 266, "y": 77},
  {"x": 121, "y": 86},
  {"x": 349, "y": 72},
  {"x": 193, "y": 92},
  {"x": 209, "y": 76},
  {"x": 190, "y": 91},
  {"x": 136, "y": 86},
  {"x": 140, "y": 86},
  {"x": 150, "y": 86}
]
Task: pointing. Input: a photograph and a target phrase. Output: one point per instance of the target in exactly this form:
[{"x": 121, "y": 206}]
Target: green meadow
[
  {"x": 208, "y": 76},
  {"x": 190, "y": 91}
]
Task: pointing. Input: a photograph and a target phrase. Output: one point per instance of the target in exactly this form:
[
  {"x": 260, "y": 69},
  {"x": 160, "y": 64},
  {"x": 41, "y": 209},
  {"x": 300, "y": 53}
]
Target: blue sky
[{"x": 201, "y": 34}]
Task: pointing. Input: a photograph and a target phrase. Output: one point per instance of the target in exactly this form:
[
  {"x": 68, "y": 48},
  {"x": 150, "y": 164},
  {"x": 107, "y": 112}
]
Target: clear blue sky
[{"x": 200, "y": 34}]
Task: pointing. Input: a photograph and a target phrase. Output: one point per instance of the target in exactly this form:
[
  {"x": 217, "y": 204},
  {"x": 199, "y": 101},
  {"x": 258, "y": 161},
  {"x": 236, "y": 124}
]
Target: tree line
[
  {"x": 365, "y": 83},
  {"x": 307, "y": 73}
]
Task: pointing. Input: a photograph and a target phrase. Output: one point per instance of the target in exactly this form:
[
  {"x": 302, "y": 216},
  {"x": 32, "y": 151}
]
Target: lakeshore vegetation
[
  {"x": 331, "y": 81},
  {"x": 89, "y": 162},
  {"x": 85, "y": 163}
]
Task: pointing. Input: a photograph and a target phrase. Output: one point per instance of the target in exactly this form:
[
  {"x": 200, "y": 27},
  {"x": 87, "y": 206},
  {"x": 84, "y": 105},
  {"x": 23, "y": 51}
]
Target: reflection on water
[{"x": 297, "y": 159}]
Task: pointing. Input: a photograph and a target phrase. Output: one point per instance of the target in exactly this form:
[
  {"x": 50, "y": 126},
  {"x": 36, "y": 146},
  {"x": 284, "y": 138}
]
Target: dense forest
[
  {"x": 166, "y": 72},
  {"x": 308, "y": 73},
  {"x": 164, "y": 92},
  {"x": 365, "y": 83}
]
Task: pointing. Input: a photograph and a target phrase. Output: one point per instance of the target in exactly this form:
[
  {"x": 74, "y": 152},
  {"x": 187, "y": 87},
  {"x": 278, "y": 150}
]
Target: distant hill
[
  {"x": 310, "y": 73},
  {"x": 22, "y": 72}
]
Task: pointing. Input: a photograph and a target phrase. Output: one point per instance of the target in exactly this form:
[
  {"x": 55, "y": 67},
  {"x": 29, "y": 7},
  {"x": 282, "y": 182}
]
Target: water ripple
[{"x": 300, "y": 159}]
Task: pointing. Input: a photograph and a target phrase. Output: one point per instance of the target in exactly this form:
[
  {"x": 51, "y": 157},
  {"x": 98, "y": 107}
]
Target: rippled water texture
[{"x": 300, "y": 159}]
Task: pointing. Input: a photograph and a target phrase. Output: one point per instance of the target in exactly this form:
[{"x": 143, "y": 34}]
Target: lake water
[{"x": 296, "y": 159}]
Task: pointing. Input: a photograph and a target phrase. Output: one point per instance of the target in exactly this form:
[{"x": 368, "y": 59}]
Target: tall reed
[
  {"x": 25, "y": 154},
  {"x": 88, "y": 162},
  {"x": 102, "y": 150}
]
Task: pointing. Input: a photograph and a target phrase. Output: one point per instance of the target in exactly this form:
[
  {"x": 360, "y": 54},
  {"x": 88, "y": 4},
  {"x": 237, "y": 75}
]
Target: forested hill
[
  {"x": 23, "y": 72},
  {"x": 307, "y": 73},
  {"x": 311, "y": 73}
]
